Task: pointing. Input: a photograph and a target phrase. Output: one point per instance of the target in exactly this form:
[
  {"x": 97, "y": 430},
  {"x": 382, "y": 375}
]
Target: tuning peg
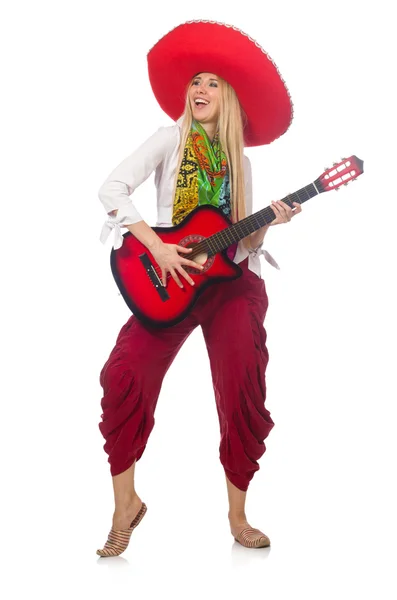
[
  {"x": 334, "y": 164},
  {"x": 344, "y": 159},
  {"x": 337, "y": 189}
]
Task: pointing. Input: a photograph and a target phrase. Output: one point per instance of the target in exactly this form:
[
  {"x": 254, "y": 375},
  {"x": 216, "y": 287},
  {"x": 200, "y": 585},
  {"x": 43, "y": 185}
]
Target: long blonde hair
[{"x": 231, "y": 126}]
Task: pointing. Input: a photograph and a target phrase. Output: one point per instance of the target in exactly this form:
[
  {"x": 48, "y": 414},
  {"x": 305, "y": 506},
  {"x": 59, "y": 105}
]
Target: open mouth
[{"x": 200, "y": 103}]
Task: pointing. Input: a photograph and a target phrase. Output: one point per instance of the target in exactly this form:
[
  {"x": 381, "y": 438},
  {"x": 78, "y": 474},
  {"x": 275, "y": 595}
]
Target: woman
[{"x": 240, "y": 101}]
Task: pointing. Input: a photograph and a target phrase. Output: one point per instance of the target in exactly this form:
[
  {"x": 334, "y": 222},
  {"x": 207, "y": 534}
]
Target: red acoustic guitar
[{"x": 209, "y": 232}]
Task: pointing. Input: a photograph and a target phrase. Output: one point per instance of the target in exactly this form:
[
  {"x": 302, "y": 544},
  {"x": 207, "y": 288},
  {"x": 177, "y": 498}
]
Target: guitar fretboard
[{"x": 226, "y": 237}]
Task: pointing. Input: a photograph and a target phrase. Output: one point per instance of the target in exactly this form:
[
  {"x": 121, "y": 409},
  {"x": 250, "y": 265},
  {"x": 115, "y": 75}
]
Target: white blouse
[{"x": 160, "y": 154}]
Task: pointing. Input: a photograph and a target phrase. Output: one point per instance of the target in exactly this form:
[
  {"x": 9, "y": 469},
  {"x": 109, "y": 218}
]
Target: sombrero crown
[{"x": 232, "y": 55}]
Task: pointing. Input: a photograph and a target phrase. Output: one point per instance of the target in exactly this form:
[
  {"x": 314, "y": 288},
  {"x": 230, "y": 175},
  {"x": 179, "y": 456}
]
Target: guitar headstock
[{"x": 341, "y": 173}]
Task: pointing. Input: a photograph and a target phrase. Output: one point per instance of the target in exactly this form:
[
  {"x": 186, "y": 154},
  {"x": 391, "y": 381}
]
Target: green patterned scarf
[{"x": 203, "y": 177}]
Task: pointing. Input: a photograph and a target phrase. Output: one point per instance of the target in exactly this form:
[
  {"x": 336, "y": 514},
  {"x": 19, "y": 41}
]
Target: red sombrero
[{"x": 234, "y": 56}]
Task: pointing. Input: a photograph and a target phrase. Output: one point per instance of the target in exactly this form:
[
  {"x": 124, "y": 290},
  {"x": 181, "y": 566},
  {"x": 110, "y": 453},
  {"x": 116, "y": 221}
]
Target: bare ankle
[
  {"x": 122, "y": 504},
  {"x": 237, "y": 516}
]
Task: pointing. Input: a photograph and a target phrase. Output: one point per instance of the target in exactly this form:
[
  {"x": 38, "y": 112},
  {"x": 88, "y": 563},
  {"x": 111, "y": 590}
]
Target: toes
[
  {"x": 108, "y": 551},
  {"x": 263, "y": 541},
  {"x": 253, "y": 538}
]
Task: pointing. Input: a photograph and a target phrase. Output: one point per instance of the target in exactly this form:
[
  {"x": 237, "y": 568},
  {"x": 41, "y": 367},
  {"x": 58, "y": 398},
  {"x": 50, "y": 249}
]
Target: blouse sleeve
[
  {"x": 115, "y": 192},
  {"x": 248, "y": 194},
  {"x": 258, "y": 251}
]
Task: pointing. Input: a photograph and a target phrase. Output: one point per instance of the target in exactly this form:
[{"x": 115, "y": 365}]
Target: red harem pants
[{"x": 231, "y": 315}]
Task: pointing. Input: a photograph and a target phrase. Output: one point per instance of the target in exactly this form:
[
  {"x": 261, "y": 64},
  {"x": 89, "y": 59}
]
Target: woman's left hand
[{"x": 283, "y": 212}]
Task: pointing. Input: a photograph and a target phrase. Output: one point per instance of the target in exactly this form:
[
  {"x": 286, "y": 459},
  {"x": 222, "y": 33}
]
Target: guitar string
[
  {"x": 202, "y": 247},
  {"x": 248, "y": 221}
]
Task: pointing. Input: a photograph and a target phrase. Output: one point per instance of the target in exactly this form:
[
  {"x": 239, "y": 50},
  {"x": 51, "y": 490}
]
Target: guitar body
[{"x": 138, "y": 276}]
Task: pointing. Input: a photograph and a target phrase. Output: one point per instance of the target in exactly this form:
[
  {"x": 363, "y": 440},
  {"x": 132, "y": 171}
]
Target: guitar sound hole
[{"x": 201, "y": 258}]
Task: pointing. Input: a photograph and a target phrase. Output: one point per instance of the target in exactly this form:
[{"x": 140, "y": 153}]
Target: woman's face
[{"x": 204, "y": 98}]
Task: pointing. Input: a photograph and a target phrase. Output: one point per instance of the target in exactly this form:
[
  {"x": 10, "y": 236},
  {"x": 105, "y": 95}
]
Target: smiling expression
[{"x": 204, "y": 98}]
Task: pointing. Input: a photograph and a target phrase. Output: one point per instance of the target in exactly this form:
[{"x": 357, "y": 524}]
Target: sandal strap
[{"x": 251, "y": 537}]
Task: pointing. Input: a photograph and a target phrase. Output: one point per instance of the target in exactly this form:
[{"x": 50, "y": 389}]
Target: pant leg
[
  {"x": 131, "y": 379},
  {"x": 236, "y": 344}
]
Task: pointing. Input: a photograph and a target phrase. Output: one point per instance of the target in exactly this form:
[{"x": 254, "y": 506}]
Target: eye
[
  {"x": 195, "y": 82},
  {"x": 214, "y": 84}
]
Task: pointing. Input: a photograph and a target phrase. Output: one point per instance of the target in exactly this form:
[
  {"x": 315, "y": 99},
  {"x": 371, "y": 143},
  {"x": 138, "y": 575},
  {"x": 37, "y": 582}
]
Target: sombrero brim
[{"x": 207, "y": 46}]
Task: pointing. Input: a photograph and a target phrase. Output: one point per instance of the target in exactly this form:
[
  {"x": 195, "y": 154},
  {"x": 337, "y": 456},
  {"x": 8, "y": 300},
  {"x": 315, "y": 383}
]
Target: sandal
[{"x": 118, "y": 540}]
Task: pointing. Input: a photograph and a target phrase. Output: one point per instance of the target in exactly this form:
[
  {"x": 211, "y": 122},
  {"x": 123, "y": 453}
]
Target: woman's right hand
[{"x": 168, "y": 258}]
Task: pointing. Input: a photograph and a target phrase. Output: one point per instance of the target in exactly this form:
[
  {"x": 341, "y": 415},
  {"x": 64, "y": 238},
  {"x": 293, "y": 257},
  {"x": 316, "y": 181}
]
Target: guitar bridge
[{"x": 154, "y": 278}]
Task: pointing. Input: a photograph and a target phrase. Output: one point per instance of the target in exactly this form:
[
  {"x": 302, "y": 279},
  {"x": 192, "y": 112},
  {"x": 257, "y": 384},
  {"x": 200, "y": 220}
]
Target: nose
[{"x": 201, "y": 88}]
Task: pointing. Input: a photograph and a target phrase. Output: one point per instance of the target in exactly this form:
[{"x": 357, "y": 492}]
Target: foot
[
  {"x": 124, "y": 515},
  {"x": 125, "y": 519},
  {"x": 246, "y": 535}
]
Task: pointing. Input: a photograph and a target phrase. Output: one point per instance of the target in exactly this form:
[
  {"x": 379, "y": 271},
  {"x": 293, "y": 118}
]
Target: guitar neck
[{"x": 225, "y": 238}]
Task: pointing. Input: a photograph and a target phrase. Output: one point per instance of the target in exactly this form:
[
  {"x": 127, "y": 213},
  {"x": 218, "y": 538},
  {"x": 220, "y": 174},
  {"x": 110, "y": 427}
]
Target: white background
[{"x": 76, "y": 100}]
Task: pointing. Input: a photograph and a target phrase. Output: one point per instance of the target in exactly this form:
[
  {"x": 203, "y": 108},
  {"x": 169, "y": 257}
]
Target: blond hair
[{"x": 231, "y": 126}]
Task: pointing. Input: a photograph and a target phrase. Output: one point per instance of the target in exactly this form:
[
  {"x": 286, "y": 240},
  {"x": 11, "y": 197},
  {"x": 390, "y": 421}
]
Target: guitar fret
[
  {"x": 223, "y": 237},
  {"x": 227, "y": 235},
  {"x": 211, "y": 240},
  {"x": 257, "y": 221}
]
